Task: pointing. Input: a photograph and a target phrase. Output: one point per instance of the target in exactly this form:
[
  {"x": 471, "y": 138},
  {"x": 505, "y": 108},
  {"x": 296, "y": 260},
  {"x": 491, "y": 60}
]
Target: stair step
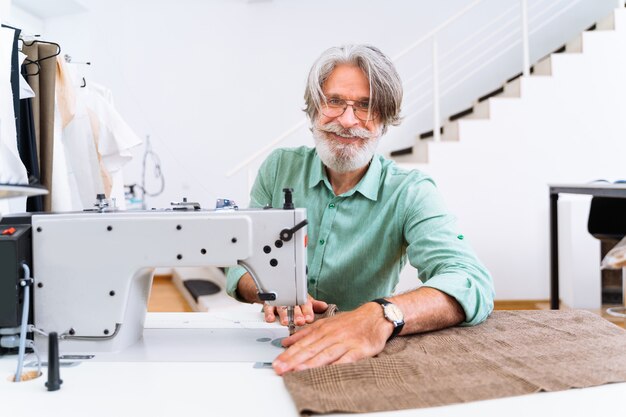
[
  {"x": 430, "y": 133},
  {"x": 491, "y": 94},
  {"x": 400, "y": 152},
  {"x": 514, "y": 77},
  {"x": 607, "y": 23},
  {"x": 620, "y": 18},
  {"x": 481, "y": 110},
  {"x": 513, "y": 88},
  {"x": 450, "y": 131},
  {"x": 575, "y": 45},
  {"x": 414, "y": 154},
  {"x": 543, "y": 67},
  {"x": 461, "y": 114}
]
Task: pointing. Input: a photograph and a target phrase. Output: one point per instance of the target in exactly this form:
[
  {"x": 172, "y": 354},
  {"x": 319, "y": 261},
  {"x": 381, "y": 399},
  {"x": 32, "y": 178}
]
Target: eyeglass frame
[{"x": 371, "y": 114}]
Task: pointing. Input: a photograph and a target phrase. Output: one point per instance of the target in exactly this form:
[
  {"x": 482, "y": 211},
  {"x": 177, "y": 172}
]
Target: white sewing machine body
[{"x": 93, "y": 270}]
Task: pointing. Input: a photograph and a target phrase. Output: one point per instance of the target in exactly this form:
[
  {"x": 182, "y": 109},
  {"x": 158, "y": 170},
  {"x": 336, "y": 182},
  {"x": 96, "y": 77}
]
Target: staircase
[
  {"x": 565, "y": 123},
  {"x": 480, "y": 110}
]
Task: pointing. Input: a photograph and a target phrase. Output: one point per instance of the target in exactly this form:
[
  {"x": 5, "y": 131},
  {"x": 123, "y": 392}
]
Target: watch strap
[{"x": 397, "y": 325}]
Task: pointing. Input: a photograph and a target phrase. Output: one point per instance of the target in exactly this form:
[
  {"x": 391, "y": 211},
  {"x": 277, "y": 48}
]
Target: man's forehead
[{"x": 347, "y": 81}]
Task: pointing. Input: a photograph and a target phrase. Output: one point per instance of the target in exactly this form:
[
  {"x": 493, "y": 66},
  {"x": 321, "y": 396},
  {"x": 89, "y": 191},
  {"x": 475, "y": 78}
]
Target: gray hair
[{"x": 385, "y": 84}]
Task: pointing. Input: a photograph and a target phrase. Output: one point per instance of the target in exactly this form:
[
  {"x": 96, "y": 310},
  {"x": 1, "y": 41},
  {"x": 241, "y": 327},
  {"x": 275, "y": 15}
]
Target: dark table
[{"x": 596, "y": 190}]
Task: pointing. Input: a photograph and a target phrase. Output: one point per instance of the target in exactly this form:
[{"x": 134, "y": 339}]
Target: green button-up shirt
[{"x": 359, "y": 241}]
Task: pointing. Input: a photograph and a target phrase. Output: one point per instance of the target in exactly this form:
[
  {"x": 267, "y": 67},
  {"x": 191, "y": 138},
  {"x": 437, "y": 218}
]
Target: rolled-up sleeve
[{"x": 442, "y": 254}]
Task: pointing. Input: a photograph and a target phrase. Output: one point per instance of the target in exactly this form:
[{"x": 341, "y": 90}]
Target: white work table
[{"x": 187, "y": 388}]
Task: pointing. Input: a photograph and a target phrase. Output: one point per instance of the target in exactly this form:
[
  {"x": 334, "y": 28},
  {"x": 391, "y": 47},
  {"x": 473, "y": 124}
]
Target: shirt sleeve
[
  {"x": 260, "y": 196},
  {"x": 443, "y": 256}
]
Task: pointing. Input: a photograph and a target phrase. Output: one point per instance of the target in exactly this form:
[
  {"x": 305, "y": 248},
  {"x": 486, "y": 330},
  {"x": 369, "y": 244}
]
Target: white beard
[{"x": 345, "y": 157}]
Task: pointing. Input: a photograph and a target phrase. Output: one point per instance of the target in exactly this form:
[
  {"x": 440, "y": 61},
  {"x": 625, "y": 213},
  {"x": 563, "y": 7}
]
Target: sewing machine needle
[{"x": 292, "y": 324}]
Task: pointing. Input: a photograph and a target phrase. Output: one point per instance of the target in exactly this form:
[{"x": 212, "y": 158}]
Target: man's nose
[{"x": 348, "y": 119}]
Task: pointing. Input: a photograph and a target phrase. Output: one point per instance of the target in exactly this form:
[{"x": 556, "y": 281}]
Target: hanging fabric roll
[{"x": 41, "y": 78}]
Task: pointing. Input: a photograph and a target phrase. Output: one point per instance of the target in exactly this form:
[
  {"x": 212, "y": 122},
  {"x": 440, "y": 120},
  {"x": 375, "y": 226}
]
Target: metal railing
[{"x": 462, "y": 68}]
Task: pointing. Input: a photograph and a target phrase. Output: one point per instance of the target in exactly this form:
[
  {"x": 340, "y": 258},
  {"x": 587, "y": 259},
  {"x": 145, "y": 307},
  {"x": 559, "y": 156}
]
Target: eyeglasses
[{"x": 335, "y": 107}]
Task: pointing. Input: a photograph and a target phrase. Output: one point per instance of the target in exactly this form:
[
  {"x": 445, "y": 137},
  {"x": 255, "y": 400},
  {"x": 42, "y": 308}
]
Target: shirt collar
[
  {"x": 368, "y": 186},
  {"x": 317, "y": 172}
]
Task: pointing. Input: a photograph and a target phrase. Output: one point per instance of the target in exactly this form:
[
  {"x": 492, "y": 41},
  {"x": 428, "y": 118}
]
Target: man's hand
[
  {"x": 344, "y": 338},
  {"x": 302, "y": 314},
  {"x": 246, "y": 289}
]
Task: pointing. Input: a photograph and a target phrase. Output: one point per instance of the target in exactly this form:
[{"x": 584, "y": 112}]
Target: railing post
[
  {"x": 525, "y": 50},
  {"x": 436, "y": 109}
]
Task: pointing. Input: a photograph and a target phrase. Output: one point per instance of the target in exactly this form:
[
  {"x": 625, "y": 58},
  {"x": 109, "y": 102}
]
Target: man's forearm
[
  {"x": 426, "y": 309},
  {"x": 247, "y": 290}
]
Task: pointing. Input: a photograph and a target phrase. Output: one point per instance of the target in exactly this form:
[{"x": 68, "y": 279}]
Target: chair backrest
[{"x": 607, "y": 218}]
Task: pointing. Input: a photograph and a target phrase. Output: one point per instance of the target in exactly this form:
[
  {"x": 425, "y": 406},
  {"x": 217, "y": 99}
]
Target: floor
[{"x": 166, "y": 297}]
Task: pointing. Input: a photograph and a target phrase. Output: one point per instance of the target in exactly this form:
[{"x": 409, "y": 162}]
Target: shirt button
[
  {"x": 322, "y": 241},
  {"x": 331, "y": 205}
]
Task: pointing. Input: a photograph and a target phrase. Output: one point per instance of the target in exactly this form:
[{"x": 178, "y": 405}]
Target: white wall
[
  {"x": 29, "y": 23},
  {"x": 213, "y": 81},
  {"x": 5, "y": 9}
]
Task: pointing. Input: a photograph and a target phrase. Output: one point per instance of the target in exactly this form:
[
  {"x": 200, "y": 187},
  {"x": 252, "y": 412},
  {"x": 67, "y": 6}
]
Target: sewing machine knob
[
  {"x": 267, "y": 296},
  {"x": 288, "y": 199}
]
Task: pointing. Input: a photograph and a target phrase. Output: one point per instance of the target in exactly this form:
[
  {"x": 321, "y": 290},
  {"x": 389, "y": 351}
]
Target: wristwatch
[{"x": 393, "y": 314}]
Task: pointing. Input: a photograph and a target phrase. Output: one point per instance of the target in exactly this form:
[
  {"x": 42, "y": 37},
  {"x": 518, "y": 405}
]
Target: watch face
[{"x": 392, "y": 312}]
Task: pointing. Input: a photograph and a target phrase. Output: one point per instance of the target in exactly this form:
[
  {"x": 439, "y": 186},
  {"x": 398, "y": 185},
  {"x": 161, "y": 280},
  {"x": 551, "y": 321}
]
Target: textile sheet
[{"x": 511, "y": 353}]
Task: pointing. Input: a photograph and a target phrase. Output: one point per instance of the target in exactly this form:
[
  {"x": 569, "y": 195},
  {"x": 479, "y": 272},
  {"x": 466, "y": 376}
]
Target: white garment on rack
[
  {"x": 25, "y": 90},
  {"x": 78, "y": 181},
  {"x": 12, "y": 170},
  {"x": 62, "y": 197},
  {"x": 115, "y": 138},
  {"x": 95, "y": 142}
]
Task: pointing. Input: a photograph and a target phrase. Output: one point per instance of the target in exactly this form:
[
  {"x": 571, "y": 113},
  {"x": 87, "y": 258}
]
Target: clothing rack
[{"x": 69, "y": 60}]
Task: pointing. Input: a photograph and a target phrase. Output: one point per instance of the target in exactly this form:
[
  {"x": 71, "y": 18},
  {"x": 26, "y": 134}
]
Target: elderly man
[{"x": 366, "y": 217}]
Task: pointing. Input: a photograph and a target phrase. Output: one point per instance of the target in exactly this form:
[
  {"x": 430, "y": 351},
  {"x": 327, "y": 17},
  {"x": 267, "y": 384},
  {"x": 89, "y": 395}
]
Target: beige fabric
[
  {"x": 47, "y": 79},
  {"x": 512, "y": 353},
  {"x": 107, "y": 181},
  {"x": 43, "y": 108},
  {"x": 66, "y": 97}
]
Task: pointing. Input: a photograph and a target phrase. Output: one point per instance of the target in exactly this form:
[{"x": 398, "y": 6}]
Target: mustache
[{"x": 337, "y": 129}]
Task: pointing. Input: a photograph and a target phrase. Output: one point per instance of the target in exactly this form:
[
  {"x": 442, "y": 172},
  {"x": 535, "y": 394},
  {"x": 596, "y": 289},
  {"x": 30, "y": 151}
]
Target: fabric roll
[
  {"x": 47, "y": 78},
  {"x": 512, "y": 353}
]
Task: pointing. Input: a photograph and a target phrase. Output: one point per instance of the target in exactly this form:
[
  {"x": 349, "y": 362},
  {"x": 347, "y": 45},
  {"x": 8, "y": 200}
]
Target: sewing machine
[{"x": 93, "y": 270}]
